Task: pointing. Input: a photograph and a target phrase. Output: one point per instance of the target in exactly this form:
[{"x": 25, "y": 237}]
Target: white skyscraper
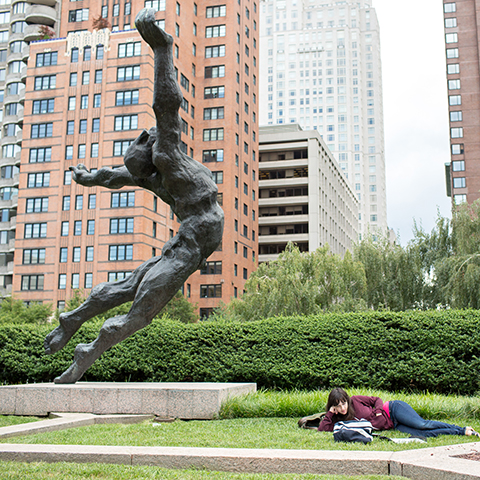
[{"x": 320, "y": 67}]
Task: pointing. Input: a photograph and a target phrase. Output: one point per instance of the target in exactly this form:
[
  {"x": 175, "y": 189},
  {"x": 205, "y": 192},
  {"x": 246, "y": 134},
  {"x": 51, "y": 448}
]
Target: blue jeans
[{"x": 406, "y": 419}]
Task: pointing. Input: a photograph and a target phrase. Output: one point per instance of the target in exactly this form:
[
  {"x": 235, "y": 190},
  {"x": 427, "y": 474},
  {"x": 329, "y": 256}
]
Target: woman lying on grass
[{"x": 384, "y": 416}]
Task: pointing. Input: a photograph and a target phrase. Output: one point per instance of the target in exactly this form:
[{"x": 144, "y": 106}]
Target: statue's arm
[{"x": 105, "y": 177}]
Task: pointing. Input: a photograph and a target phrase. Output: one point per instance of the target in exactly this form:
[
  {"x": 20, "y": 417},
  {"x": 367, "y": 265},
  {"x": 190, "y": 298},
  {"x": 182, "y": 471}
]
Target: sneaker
[{"x": 472, "y": 432}]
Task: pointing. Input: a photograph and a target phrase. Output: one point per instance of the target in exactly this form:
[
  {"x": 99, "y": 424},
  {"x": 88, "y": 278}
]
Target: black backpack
[{"x": 312, "y": 421}]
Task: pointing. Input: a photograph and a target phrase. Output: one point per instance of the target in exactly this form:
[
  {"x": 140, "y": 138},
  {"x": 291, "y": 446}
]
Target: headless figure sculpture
[{"x": 154, "y": 162}]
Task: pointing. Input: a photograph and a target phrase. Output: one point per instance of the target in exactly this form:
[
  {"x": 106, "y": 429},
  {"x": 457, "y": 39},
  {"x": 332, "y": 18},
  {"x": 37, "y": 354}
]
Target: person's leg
[
  {"x": 158, "y": 286},
  {"x": 416, "y": 432},
  {"x": 406, "y": 419},
  {"x": 103, "y": 297}
]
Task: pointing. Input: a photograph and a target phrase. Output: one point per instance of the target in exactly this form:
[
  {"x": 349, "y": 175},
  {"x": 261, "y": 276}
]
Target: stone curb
[
  {"x": 62, "y": 421},
  {"x": 217, "y": 459},
  {"x": 426, "y": 464},
  {"x": 437, "y": 463}
]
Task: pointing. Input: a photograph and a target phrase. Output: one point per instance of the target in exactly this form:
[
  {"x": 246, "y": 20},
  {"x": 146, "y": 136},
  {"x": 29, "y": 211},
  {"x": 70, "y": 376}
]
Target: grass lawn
[
  {"x": 7, "y": 420},
  {"x": 260, "y": 420},
  {"x": 231, "y": 433},
  {"x": 72, "y": 471},
  {"x": 271, "y": 403}
]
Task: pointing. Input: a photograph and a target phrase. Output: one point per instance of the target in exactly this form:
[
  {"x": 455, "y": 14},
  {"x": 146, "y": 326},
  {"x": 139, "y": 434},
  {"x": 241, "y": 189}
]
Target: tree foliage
[
  {"x": 449, "y": 260},
  {"x": 17, "y": 312},
  {"x": 301, "y": 283},
  {"x": 46, "y": 32},
  {"x": 179, "y": 308},
  {"x": 393, "y": 274},
  {"x": 437, "y": 269},
  {"x": 99, "y": 23},
  {"x": 457, "y": 273}
]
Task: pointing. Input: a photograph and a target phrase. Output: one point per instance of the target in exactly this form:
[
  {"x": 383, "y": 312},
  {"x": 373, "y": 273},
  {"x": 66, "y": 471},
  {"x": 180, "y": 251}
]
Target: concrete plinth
[{"x": 177, "y": 400}]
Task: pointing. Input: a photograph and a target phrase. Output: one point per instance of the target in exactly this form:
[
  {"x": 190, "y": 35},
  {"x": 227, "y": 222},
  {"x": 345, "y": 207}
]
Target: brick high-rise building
[
  {"x": 321, "y": 67},
  {"x": 461, "y": 20},
  {"x": 87, "y": 97},
  {"x": 20, "y": 23}
]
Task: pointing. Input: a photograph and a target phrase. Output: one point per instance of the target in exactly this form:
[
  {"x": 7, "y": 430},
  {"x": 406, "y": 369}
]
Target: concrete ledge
[
  {"x": 177, "y": 400},
  {"x": 62, "y": 421},
  {"x": 439, "y": 463},
  {"x": 219, "y": 459},
  {"x": 424, "y": 464}
]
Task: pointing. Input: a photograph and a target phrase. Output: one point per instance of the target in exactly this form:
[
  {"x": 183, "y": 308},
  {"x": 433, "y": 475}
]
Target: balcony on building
[
  {"x": 31, "y": 33},
  {"x": 17, "y": 158},
  {"x": 13, "y": 77},
  {"x": 6, "y": 291},
  {"x": 19, "y": 56},
  {"x": 25, "y": 54},
  {"x": 268, "y": 252},
  {"x": 6, "y": 268},
  {"x": 12, "y": 223},
  {"x": 284, "y": 155},
  {"x": 11, "y": 182},
  {"x": 10, "y": 203},
  {"x": 14, "y": 99},
  {"x": 8, "y": 161},
  {"x": 282, "y": 182},
  {"x": 18, "y": 96},
  {"x": 41, "y": 15},
  {"x": 7, "y": 140},
  {"x": 281, "y": 160},
  {"x": 9, "y": 246},
  {"x": 286, "y": 218},
  {"x": 297, "y": 232},
  {"x": 23, "y": 74},
  {"x": 14, "y": 37},
  {"x": 294, "y": 195},
  {"x": 48, "y": 3}
]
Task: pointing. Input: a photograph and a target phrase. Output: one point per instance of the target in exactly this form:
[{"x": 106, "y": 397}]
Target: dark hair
[{"x": 337, "y": 396}]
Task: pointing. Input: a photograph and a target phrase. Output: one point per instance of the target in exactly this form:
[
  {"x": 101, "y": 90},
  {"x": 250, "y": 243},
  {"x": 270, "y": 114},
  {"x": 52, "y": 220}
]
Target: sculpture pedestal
[{"x": 168, "y": 400}]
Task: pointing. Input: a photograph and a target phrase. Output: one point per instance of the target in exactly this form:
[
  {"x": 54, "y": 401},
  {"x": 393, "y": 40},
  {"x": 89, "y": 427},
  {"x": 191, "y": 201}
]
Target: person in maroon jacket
[{"x": 384, "y": 416}]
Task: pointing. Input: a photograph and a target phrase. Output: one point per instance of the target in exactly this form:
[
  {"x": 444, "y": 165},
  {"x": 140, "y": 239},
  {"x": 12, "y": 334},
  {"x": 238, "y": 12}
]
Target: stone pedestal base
[{"x": 167, "y": 400}]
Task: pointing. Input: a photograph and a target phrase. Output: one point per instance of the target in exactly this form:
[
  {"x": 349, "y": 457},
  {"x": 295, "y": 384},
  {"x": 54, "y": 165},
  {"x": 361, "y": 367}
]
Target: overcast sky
[{"x": 415, "y": 112}]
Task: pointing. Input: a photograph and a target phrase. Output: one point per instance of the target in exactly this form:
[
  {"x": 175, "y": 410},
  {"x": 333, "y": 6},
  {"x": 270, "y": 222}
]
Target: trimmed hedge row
[{"x": 435, "y": 351}]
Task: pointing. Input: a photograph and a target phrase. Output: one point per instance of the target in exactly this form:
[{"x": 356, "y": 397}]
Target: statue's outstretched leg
[
  {"x": 167, "y": 96},
  {"x": 157, "y": 287},
  {"x": 150, "y": 31},
  {"x": 102, "y": 298}
]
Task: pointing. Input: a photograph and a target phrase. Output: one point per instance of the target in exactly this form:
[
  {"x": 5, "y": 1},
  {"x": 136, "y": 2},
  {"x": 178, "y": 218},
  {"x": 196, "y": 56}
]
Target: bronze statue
[{"x": 153, "y": 161}]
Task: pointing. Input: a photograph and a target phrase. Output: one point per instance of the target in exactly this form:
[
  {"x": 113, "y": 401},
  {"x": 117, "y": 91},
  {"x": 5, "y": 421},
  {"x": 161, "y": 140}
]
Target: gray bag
[{"x": 353, "y": 431}]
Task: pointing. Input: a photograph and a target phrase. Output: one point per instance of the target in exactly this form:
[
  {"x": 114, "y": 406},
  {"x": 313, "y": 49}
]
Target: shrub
[
  {"x": 15, "y": 311},
  {"x": 437, "y": 351}
]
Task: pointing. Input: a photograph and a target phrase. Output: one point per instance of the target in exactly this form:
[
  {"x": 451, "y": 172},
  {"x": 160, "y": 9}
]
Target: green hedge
[{"x": 435, "y": 351}]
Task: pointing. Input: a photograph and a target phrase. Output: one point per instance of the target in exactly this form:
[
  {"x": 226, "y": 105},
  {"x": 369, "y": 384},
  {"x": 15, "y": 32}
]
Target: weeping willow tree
[
  {"x": 301, "y": 284},
  {"x": 393, "y": 274},
  {"x": 450, "y": 259},
  {"x": 437, "y": 269},
  {"x": 458, "y": 273}
]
